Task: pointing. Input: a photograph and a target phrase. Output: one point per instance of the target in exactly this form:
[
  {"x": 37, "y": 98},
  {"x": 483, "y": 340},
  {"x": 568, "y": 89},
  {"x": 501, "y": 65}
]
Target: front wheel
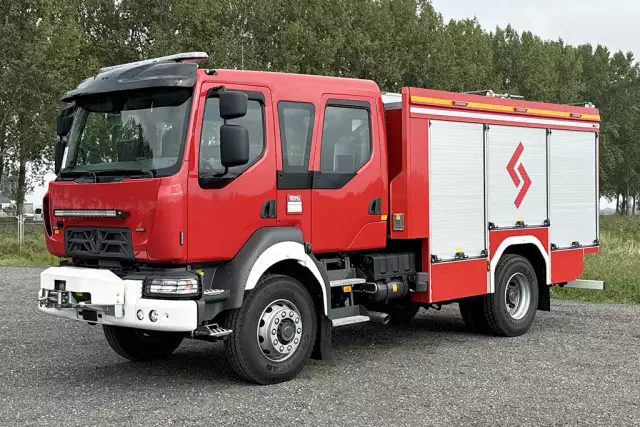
[
  {"x": 141, "y": 345},
  {"x": 273, "y": 332}
]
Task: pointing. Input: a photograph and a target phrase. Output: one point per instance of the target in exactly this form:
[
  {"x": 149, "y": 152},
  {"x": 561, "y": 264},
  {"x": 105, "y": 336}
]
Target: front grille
[{"x": 113, "y": 243}]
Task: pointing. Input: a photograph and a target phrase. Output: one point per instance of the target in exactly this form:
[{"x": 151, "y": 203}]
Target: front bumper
[{"x": 113, "y": 301}]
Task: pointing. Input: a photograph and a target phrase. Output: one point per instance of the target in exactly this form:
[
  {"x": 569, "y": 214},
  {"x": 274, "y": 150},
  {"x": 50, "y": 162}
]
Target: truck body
[{"x": 267, "y": 208}]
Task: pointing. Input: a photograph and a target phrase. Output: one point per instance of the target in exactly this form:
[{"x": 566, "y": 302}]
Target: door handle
[
  {"x": 268, "y": 209},
  {"x": 375, "y": 206}
]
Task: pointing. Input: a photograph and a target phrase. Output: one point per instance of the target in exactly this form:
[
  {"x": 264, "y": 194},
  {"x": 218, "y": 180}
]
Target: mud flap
[
  {"x": 544, "y": 298},
  {"x": 323, "y": 348}
]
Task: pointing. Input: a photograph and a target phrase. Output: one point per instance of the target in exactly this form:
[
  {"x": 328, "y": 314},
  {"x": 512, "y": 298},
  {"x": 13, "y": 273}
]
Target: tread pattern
[
  {"x": 235, "y": 319},
  {"x": 491, "y": 307}
]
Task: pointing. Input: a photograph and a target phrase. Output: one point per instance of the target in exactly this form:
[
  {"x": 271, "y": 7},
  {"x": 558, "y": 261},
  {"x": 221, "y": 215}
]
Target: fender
[
  {"x": 265, "y": 248},
  {"x": 517, "y": 240}
]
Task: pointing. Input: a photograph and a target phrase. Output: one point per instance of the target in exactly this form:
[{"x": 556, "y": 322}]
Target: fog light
[
  {"x": 140, "y": 314},
  {"x": 153, "y": 316}
]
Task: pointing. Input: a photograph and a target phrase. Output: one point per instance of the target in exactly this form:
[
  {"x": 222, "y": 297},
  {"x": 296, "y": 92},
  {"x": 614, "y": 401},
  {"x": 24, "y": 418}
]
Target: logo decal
[{"x": 519, "y": 176}]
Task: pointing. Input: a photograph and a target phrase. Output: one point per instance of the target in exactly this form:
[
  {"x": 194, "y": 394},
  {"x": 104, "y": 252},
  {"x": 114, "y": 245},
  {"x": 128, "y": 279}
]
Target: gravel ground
[{"x": 579, "y": 365}]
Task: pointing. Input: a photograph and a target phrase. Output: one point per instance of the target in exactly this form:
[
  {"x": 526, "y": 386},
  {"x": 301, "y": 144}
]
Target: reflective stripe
[
  {"x": 517, "y": 119},
  {"x": 440, "y": 101}
]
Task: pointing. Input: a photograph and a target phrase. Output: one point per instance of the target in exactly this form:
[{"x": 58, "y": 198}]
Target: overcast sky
[{"x": 613, "y": 23}]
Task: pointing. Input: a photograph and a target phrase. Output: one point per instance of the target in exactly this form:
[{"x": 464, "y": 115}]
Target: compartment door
[
  {"x": 457, "y": 189},
  {"x": 517, "y": 176},
  {"x": 574, "y": 188}
]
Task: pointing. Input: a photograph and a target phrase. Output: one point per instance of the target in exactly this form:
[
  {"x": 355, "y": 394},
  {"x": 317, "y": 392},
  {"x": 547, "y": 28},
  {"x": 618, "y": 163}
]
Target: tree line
[{"x": 49, "y": 46}]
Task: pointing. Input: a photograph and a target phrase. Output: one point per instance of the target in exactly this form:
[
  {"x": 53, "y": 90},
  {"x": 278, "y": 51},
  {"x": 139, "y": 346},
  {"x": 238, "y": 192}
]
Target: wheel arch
[
  {"x": 532, "y": 249},
  {"x": 268, "y": 247}
]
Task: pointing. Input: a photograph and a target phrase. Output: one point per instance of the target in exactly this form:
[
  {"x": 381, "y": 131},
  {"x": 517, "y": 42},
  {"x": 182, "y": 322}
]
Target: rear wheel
[
  {"x": 510, "y": 310},
  {"x": 273, "y": 332},
  {"x": 141, "y": 345}
]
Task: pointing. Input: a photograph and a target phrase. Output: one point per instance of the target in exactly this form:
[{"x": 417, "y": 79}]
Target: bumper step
[{"x": 211, "y": 331}]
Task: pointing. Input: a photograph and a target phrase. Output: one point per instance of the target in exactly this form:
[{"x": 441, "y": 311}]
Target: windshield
[{"x": 128, "y": 133}]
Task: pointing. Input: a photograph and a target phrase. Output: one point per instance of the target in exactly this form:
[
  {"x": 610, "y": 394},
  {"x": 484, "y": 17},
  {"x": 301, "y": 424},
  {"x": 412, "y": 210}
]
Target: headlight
[{"x": 171, "y": 288}]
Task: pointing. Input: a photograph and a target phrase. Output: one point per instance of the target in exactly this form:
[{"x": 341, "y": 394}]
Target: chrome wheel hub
[
  {"x": 279, "y": 330},
  {"x": 517, "y": 296}
]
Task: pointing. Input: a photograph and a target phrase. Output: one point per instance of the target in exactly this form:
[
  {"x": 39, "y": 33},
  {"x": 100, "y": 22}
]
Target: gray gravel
[{"x": 579, "y": 365}]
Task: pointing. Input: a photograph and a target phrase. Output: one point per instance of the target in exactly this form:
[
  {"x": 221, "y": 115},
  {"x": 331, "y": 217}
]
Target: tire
[
  {"x": 140, "y": 345},
  {"x": 400, "y": 311},
  {"x": 250, "y": 348},
  {"x": 503, "y": 319},
  {"x": 472, "y": 312}
]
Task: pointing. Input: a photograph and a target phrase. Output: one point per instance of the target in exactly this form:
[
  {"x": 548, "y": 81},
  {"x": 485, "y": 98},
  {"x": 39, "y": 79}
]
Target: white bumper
[{"x": 116, "y": 301}]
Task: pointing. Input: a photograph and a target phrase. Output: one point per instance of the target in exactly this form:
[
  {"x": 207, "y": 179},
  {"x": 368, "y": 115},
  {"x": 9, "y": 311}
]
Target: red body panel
[
  {"x": 454, "y": 280},
  {"x": 410, "y": 186},
  {"x": 566, "y": 265}
]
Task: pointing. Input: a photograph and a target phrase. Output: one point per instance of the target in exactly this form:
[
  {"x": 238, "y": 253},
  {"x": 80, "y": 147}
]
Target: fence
[{"x": 20, "y": 229}]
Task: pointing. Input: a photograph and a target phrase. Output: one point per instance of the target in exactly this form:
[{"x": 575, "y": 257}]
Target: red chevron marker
[{"x": 523, "y": 179}]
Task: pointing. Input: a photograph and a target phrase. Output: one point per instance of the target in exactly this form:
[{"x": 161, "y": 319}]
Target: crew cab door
[
  {"x": 225, "y": 209},
  {"x": 348, "y": 175}
]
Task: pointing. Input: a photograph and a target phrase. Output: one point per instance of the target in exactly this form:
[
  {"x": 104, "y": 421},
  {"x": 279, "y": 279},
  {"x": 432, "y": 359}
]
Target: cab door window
[
  {"x": 296, "y": 132},
  {"x": 346, "y": 139}
]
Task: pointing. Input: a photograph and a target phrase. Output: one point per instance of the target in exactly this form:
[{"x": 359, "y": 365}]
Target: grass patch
[
  {"x": 618, "y": 264},
  {"x": 33, "y": 252}
]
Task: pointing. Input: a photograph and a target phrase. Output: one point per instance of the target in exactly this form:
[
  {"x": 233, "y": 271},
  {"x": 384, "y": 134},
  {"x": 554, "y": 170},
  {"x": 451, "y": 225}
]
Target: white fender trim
[
  {"x": 511, "y": 241},
  {"x": 283, "y": 251}
]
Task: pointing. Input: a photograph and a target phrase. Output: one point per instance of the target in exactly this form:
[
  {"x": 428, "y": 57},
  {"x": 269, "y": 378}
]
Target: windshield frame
[{"x": 78, "y": 128}]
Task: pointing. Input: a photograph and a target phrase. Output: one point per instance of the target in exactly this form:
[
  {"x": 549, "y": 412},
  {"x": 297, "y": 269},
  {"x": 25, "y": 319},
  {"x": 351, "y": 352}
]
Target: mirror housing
[
  {"x": 59, "y": 155},
  {"x": 233, "y": 104},
  {"x": 64, "y": 121},
  {"x": 234, "y": 145}
]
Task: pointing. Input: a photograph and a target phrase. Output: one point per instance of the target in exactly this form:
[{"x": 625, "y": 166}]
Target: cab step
[
  {"x": 350, "y": 320},
  {"x": 347, "y": 282}
]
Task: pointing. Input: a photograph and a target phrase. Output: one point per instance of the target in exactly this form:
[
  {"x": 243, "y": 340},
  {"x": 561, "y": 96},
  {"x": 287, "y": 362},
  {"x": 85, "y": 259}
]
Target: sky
[{"x": 613, "y": 23}]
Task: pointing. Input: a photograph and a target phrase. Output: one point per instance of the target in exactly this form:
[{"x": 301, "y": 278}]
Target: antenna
[{"x": 178, "y": 57}]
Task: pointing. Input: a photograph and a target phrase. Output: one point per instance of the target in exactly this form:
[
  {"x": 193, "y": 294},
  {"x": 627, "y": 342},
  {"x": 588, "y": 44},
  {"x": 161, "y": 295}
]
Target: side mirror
[
  {"x": 59, "y": 155},
  {"x": 234, "y": 145},
  {"x": 64, "y": 121},
  {"x": 233, "y": 104}
]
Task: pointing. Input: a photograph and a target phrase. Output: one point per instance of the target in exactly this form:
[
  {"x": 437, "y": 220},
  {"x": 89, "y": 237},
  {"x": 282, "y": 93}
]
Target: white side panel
[
  {"x": 457, "y": 208},
  {"x": 573, "y": 187},
  {"x": 517, "y": 165}
]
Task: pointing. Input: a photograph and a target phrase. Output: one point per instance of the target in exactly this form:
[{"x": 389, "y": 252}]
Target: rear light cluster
[{"x": 171, "y": 288}]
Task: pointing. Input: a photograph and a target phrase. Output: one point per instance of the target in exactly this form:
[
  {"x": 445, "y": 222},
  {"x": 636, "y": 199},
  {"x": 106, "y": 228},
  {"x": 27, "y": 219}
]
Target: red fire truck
[{"x": 265, "y": 209}]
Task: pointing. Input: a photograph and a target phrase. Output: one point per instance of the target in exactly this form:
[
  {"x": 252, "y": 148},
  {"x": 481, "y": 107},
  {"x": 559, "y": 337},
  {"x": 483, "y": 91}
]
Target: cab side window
[
  {"x": 209, "y": 162},
  {"x": 346, "y": 139},
  {"x": 296, "y": 131}
]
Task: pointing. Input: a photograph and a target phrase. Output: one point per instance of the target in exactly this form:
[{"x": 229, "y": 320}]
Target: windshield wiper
[{"x": 127, "y": 173}]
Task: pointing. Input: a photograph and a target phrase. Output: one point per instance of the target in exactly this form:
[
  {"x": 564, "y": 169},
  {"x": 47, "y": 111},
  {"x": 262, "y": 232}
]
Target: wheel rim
[
  {"x": 517, "y": 296},
  {"x": 279, "y": 330}
]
